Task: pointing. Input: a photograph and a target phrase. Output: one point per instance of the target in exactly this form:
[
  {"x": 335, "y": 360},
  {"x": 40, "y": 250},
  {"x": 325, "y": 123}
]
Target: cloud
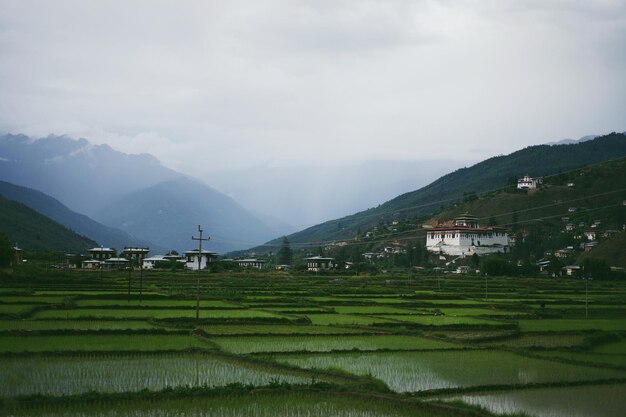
[{"x": 218, "y": 85}]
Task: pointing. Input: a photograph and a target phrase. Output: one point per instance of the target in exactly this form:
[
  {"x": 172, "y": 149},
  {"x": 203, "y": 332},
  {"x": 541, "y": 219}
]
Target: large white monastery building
[{"x": 466, "y": 237}]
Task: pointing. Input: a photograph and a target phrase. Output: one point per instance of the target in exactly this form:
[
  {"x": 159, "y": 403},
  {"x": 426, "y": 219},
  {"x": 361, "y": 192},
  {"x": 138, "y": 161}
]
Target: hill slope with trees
[
  {"x": 467, "y": 183},
  {"x": 34, "y": 231}
]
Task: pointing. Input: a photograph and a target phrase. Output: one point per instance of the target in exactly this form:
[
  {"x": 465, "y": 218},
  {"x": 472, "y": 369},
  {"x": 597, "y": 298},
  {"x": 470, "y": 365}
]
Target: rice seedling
[
  {"x": 426, "y": 320},
  {"x": 419, "y": 371},
  {"x": 563, "y": 325},
  {"x": 585, "y": 401},
  {"x": 164, "y": 303},
  {"x": 539, "y": 340},
  {"x": 132, "y": 342},
  {"x": 345, "y": 319},
  {"x": 260, "y": 329},
  {"x": 120, "y": 373},
  {"x": 34, "y": 325},
  {"x": 314, "y": 343},
  {"x": 291, "y": 404},
  {"x": 150, "y": 313}
]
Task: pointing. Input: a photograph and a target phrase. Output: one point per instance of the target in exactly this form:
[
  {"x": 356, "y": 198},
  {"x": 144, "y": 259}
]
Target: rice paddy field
[{"x": 73, "y": 343}]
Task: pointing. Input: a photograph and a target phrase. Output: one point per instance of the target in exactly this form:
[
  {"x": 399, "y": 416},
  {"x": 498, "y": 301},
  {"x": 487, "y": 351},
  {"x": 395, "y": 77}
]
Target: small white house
[
  {"x": 527, "y": 183},
  {"x": 251, "y": 263},
  {"x": 149, "y": 263},
  {"x": 90, "y": 264},
  {"x": 206, "y": 257},
  {"x": 591, "y": 234}
]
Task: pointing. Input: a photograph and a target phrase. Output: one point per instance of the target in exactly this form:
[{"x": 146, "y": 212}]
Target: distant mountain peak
[{"x": 573, "y": 141}]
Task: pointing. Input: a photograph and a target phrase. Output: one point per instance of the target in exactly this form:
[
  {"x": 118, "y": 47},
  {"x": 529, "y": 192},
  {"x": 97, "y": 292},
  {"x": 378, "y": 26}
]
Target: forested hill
[
  {"x": 81, "y": 224},
  {"x": 34, "y": 231},
  {"x": 536, "y": 161}
]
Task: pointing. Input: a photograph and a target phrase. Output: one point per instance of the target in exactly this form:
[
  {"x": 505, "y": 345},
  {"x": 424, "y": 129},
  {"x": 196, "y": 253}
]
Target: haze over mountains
[
  {"x": 307, "y": 195},
  {"x": 143, "y": 203},
  {"x": 133, "y": 193}
]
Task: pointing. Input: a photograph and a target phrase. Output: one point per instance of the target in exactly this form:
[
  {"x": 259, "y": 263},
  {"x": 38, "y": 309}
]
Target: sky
[{"x": 221, "y": 85}]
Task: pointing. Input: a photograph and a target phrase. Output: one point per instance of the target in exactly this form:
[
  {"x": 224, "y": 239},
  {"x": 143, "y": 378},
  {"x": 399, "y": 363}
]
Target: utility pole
[
  {"x": 200, "y": 240},
  {"x": 130, "y": 269}
]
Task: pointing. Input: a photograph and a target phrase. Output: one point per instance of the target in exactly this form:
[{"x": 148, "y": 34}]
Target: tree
[
  {"x": 6, "y": 251},
  {"x": 285, "y": 255}
]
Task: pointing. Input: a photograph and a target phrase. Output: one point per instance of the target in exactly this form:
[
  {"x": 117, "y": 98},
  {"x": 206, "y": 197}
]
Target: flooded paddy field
[{"x": 278, "y": 344}]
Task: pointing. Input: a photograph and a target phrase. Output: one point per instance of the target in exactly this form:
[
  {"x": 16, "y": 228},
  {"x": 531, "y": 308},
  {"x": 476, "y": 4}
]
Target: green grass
[
  {"x": 590, "y": 357},
  {"x": 151, "y": 313},
  {"x": 372, "y": 309},
  {"x": 614, "y": 348},
  {"x": 74, "y": 325},
  {"x": 472, "y": 312},
  {"x": 17, "y": 309},
  {"x": 563, "y": 325},
  {"x": 426, "y": 320},
  {"x": 32, "y": 299},
  {"x": 255, "y": 344},
  {"x": 140, "y": 342},
  {"x": 256, "y": 404},
  {"x": 154, "y": 303},
  {"x": 539, "y": 340},
  {"x": 278, "y": 329},
  {"x": 345, "y": 319}
]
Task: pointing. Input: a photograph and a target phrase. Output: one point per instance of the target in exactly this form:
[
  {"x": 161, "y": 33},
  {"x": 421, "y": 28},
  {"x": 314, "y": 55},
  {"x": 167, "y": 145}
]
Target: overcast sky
[{"x": 208, "y": 85}]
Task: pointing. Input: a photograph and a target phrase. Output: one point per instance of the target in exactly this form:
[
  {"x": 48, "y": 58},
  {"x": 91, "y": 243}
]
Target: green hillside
[
  {"x": 81, "y": 224},
  {"x": 34, "y": 231},
  {"x": 493, "y": 173},
  {"x": 612, "y": 250},
  {"x": 593, "y": 201}
]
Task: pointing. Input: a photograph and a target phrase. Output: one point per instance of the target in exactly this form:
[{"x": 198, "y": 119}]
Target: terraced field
[{"x": 335, "y": 346}]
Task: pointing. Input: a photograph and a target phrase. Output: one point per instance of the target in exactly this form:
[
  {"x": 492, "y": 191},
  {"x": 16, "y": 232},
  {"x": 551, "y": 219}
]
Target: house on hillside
[
  {"x": 319, "y": 263},
  {"x": 527, "y": 183},
  {"x": 193, "y": 258},
  {"x": 467, "y": 237},
  {"x": 591, "y": 234},
  {"x": 18, "y": 255}
]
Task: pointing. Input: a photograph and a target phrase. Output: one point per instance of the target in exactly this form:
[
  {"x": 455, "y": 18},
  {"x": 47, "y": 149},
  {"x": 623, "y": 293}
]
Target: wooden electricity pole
[{"x": 200, "y": 240}]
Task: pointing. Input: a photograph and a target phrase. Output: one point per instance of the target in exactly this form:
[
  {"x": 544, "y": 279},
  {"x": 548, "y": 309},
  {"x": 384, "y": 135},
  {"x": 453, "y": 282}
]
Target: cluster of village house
[
  {"x": 138, "y": 257},
  {"x": 463, "y": 237}
]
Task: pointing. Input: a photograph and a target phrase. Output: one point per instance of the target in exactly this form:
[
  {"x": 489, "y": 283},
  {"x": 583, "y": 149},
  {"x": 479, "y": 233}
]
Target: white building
[
  {"x": 527, "y": 183},
  {"x": 135, "y": 255},
  {"x": 206, "y": 257},
  {"x": 251, "y": 263},
  {"x": 466, "y": 237},
  {"x": 149, "y": 263},
  {"x": 318, "y": 263},
  {"x": 102, "y": 253}
]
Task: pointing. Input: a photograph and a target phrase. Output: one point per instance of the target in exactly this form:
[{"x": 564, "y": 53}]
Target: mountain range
[
  {"x": 79, "y": 223},
  {"x": 122, "y": 200},
  {"x": 126, "y": 200}
]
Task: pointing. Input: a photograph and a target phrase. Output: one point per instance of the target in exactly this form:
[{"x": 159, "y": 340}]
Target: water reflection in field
[{"x": 586, "y": 401}]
